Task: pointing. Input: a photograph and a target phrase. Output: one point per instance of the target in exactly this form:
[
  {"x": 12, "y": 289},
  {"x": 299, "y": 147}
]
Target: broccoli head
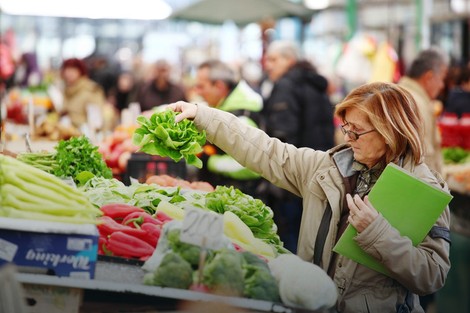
[
  {"x": 174, "y": 272},
  {"x": 260, "y": 284},
  {"x": 224, "y": 273},
  {"x": 252, "y": 259},
  {"x": 188, "y": 251}
]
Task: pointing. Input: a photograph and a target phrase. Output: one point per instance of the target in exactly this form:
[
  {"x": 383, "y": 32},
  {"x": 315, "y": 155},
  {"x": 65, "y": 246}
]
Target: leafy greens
[
  {"x": 161, "y": 135},
  {"x": 71, "y": 158},
  {"x": 253, "y": 212},
  {"x": 77, "y": 155}
]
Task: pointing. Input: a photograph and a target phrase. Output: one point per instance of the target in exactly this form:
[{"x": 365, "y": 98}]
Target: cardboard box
[
  {"x": 52, "y": 299},
  {"x": 68, "y": 250}
]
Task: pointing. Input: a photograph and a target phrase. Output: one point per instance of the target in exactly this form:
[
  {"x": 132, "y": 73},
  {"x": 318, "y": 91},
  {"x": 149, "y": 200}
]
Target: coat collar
[{"x": 343, "y": 157}]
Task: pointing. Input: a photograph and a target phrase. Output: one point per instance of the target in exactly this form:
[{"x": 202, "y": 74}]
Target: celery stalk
[
  {"x": 11, "y": 167},
  {"x": 14, "y": 213},
  {"x": 41, "y": 191},
  {"x": 20, "y": 199}
]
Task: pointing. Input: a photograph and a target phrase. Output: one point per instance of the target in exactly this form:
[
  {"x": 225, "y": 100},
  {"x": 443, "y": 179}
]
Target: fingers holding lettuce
[{"x": 187, "y": 110}]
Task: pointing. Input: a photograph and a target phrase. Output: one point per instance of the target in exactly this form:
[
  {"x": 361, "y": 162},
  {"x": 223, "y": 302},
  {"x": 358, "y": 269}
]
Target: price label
[
  {"x": 202, "y": 228},
  {"x": 69, "y": 181}
]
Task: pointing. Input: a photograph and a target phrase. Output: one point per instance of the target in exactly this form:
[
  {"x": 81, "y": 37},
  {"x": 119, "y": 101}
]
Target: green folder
[{"x": 410, "y": 205}]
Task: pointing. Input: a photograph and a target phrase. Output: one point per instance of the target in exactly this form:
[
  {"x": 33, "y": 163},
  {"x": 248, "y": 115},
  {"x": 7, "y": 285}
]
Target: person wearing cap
[{"x": 80, "y": 92}]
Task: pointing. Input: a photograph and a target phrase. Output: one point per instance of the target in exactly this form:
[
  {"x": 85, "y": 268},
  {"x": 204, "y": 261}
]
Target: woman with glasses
[{"x": 381, "y": 124}]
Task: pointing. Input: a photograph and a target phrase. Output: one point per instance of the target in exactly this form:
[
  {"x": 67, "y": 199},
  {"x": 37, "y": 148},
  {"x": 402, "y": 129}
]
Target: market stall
[
  {"x": 456, "y": 152},
  {"x": 81, "y": 237}
]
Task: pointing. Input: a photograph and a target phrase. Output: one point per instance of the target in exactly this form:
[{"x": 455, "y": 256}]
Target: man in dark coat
[
  {"x": 297, "y": 111},
  {"x": 160, "y": 90}
]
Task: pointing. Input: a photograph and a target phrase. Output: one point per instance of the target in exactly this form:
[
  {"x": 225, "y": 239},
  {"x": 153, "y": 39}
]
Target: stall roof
[{"x": 241, "y": 12}]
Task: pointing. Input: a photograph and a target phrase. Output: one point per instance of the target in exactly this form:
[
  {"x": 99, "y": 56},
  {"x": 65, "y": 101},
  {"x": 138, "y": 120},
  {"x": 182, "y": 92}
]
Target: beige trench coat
[
  {"x": 432, "y": 137},
  {"x": 315, "y": 177},
  {"x": 82, "y": 94}
]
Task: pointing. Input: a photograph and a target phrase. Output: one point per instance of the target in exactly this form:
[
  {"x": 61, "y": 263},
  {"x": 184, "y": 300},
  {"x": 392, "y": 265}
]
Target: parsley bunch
[
  {"x": 71, "y": 157},
  {"x": 77, "y": 155}
]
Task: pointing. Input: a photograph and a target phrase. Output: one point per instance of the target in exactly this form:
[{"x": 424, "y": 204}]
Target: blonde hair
[{"x": 393, "y": 112}]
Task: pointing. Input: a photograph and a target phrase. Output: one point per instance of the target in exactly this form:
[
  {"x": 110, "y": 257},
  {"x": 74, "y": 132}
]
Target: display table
[
  {"x": 453, "y": 297},
  {"x": 19, "y": 146},
  {"x": 118, "y": 288}
]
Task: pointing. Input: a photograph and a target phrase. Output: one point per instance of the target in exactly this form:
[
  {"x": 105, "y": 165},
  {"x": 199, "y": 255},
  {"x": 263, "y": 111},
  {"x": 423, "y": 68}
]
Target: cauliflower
[{"x": 303, "y": 284}]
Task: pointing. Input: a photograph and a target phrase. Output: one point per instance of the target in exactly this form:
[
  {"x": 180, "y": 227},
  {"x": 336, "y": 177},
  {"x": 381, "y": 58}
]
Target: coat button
[{"x": 322, "y": 177}]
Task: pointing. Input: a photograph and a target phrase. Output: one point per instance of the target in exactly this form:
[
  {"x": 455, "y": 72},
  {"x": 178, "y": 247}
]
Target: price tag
[
  {"x": 202, "y": 228},
  {"x": 69, "y": 181}
]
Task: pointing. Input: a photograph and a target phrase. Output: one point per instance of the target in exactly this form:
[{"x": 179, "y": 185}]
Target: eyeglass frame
[{"x": 352, "y": 134}]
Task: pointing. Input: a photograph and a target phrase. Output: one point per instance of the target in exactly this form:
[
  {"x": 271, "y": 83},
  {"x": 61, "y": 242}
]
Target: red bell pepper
[
  {"x": 109, "y": 226},
  {"x": 101, "y": 242},
  {"x": 162, "y": 217},
  {"x": 121, "y": 244},
  {"x": 153, "y": 231},
  {"x": 119, "y": 211},
  {"x": 136, "y": 219},
  {"x": 199, "y": 287}
]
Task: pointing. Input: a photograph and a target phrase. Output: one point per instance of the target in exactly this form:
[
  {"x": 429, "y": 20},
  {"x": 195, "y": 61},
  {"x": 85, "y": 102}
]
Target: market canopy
[{"x": 241, "y": 12}]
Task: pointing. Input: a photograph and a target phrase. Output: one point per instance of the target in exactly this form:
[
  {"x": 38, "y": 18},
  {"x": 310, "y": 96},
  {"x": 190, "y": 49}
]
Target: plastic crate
[{"x": 141, "y": 166}]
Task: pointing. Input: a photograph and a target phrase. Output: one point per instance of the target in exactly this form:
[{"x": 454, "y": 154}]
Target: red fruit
[
  {"x": 123, "y": 159},
  {"x": 200, "y": 288}
]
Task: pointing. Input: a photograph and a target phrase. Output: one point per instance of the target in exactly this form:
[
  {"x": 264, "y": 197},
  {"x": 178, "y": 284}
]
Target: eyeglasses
[{"x": 352, "y": 134}]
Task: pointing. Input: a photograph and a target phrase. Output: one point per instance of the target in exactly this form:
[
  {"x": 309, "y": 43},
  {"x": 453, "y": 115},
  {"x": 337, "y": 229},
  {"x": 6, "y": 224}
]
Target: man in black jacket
[{"x": 297, "y": 111}]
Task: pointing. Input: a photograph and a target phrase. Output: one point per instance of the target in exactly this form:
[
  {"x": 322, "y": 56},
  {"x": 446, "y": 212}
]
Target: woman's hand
[
  {"x": 188, "y": 110},
  {"x": 361, "y": 213}
]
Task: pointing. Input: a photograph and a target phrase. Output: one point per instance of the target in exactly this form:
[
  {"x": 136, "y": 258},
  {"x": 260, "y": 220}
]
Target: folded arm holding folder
[{"x": 409, "y": 204}]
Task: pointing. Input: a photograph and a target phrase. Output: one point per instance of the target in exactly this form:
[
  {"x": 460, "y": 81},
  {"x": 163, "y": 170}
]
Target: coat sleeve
[
  {"x": 422, "y": 269},
  {"x": 280, "y": 163}
]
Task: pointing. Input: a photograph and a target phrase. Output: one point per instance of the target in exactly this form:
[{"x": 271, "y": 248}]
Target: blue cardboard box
[{"x": 60, "y": 249}]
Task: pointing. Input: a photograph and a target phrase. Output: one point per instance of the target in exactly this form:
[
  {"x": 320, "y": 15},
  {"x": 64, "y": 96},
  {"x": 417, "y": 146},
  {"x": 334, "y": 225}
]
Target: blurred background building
[{"x": 130, "y": 34}]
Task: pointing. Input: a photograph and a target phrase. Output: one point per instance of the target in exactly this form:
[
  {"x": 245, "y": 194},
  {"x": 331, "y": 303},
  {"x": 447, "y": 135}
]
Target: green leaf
[{"x": 83, "y": 177}]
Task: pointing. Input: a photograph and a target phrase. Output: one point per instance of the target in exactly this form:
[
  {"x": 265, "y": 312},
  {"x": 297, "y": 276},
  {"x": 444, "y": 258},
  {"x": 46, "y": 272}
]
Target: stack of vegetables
[
  {"x": 455, "y": 155},
  {"x": 247, "y": 221},
  {"x": 253, "y": 212},
  {"x": 29, "y": 193},
  {"x": 128, "y": 231},
  {"x": 71, "y": 158},
  {"x": 175, "y": 264},
  {"x": 117, "y": 148}
]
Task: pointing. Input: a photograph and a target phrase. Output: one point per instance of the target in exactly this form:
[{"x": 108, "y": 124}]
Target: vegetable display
[
  {"x": 161, "y": 135},
  {"x": 253, "y": 212},
  {"x": 256, "y": 234},
  {"x": 226, "y": 271},
  {"x": 455, "y": 155},
  {"x": 128, "y": 231},
  {"x": 71, "y": 157},
  {"x": 30, "y": 193}
]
